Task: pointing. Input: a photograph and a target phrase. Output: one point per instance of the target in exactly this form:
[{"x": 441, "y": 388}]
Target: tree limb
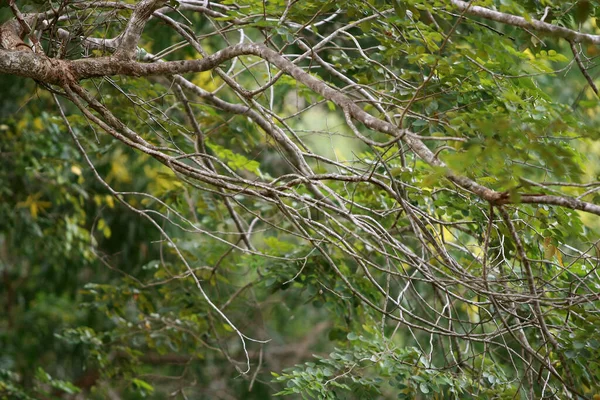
[
  {"x": 131, "y": 36},
  {"x": 529, "y": 24}
]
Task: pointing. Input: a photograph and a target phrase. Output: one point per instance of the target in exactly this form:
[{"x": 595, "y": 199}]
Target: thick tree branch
[
  {"x": 566, "y": 202},
  {"x": 53, "y": 71},
  {"x": 529, "y": 24},
  {"x": 135, "y": 27},
  {"x": 11, "y": 36}
]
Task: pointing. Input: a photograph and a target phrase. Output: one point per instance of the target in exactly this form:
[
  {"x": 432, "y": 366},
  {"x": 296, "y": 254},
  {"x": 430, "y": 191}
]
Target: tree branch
[
  {"x": 582, "y": 68},
  {"x": 56, "y": 71},
  {"x": 530, "y": 24},
  {"x": 135, "y": 27}
]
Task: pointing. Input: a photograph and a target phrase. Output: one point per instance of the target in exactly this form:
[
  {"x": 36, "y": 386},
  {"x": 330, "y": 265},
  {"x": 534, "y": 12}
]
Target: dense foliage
[{"x": 317, "y": 199}]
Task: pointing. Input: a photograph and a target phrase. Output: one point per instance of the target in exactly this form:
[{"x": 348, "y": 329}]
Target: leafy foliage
[{"x": 242, "y": 232}]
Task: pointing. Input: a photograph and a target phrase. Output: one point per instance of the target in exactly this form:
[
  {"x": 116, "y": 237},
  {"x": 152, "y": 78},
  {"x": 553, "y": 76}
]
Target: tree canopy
[{"x": 299, "y": 198}]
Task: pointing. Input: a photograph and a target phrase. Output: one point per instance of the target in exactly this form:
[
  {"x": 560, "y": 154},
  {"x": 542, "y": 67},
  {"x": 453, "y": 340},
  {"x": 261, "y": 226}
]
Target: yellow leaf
[
  {"x": 206, "y": 81},
  {"x": 559, "y": 257},
  {"x": 110, "y": 201},
  {"x": 529, "y": 54},
  {"x": 22, "y": 124},
  {"x": 119, "y": 169},
  {"x": 34, "y": 205},
  {"x": 473, "y": 313},
  {"x": 33, "y": 209},
  {"x": 76, "y": 170},
  {"x": 549, "y": 248},
  {"x": 38, "y": 124}
]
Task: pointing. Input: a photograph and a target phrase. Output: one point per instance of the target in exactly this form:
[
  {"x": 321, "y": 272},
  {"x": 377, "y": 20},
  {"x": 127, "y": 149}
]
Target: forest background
[{"x": 318, "y": 199}]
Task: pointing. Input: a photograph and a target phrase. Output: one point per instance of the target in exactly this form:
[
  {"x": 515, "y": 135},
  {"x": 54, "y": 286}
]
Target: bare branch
[{"x": 582, "y": 68}]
